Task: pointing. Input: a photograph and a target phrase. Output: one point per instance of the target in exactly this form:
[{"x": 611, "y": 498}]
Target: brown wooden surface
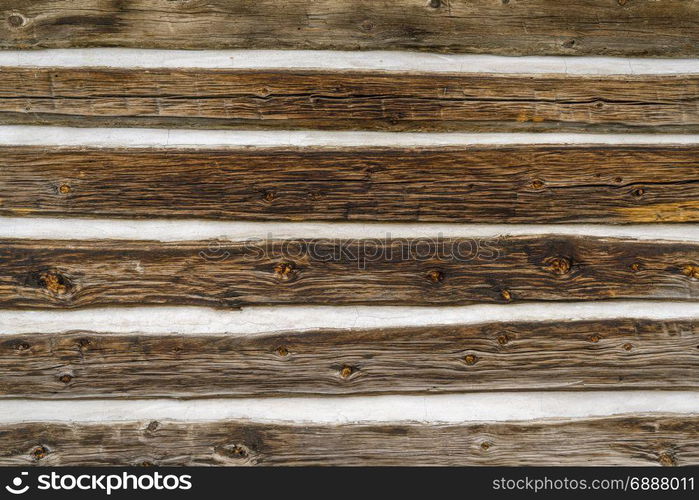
[
  {"x": 623, "y": 440},
  {"x": 374, "y": 100},
  {"x": 612, "y": 354},
  {"x": 495, "y": 184},
  {"x": 514, "y": 27},
  {"x": 67, "y": 274}
]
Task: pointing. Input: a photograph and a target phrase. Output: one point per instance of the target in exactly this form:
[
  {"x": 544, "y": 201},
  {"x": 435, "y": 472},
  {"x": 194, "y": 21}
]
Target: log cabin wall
[{"x": 425, "y": 232}]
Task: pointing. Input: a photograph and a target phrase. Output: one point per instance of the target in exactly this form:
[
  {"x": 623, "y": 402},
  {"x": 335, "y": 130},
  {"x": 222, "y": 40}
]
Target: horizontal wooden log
[
  {"x": 68, "y": 274},
  {"x": 624, "y": 353},
  {"x": 609, "y": 27},
  {"x": 621, "y": 440},
  {"x": 330, "y": 99},
  {"x": 497, "y": 184}
]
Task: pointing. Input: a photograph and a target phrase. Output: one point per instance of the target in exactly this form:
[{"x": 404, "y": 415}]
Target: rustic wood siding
[
  {"x": 369, "y": 100},
  {"x": 639, "y": 440},
  {"x": 625, "y": 353},
  {"x": 498, "y": 184},
  {"x": 67, "y": 274},
  {"x": 669, "y": 28}
]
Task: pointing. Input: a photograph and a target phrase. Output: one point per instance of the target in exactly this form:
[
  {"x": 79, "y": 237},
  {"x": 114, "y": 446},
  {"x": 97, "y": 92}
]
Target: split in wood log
[
  {"x": 421, "y": 271},
  {"x": 495, "y": 184},
  {"x": 372, "y": 100},
  {"x": 665, "y": 440},
  {"x": 611, "y": 354},
  {"x": 589, "y": 27}
]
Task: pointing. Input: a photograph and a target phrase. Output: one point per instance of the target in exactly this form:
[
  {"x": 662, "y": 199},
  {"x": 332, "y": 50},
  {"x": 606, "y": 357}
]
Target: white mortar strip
[
  {"x": 32, "y": 135},
  {"x": 207, "y": 231},
  {"x": 370, "y": 60},
  {"x": 331, "y": 410},
  {"x": 262, "y": 320}
]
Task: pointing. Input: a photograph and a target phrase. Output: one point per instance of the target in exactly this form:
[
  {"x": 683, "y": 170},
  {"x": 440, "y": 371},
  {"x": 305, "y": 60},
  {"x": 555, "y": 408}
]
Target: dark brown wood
[
  {"x": 612, "y": 354},
  {"x": 621, "y": 440},
  {"x": 497, "y": 184},
  {"x": 68, "y": 274},
  {"x": 609, "y": 27},
  {"x": 373, "y": 100}
]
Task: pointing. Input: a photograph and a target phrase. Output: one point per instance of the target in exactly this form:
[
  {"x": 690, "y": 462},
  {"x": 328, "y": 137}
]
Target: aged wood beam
[
  {"x": 422, "y": 271},
  {"x": 495, "y": 184},
  {"x": 620, "y": 440},
  {"x": 611, "y": 354},
  {"x": 332, "y": 99},
  {"x": 589, "y": 27}
]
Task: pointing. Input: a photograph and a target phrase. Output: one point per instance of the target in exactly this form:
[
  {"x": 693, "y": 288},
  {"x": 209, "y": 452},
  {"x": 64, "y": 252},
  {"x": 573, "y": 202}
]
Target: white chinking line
[
  {"x": 262, "y": 320},
  {"x": 344, "y": 60}
]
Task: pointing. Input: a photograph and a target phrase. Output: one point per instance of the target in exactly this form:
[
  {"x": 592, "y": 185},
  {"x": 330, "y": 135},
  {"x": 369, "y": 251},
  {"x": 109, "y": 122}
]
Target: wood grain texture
[
  {"x": 612, "y": 354},
  {"x": 495, "y": 184},
  {"x": 68, "y": 274},
  {"x": 622, "y": 440},
  {"x": 330, "y": 99},
  {"x": 608, "y": 27}
]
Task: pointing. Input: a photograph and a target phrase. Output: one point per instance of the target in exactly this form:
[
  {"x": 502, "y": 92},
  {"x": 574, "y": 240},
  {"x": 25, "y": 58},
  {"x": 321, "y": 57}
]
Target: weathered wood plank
[
  {"x": 609, "y": 27},
  {"x": 621, "y": 440},
  {"x": 498, "y": 184},
  {"x": 624, "y": 353},
  {"x": 328, "y": 99},
  {"x": 68, "y": 274}
]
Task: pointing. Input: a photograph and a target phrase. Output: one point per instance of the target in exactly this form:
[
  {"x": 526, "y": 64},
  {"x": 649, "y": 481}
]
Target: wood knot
[
  {"x": 64, "y": 189},
  {"x": 569, "y": 44},
  {"x": 470, "y": 359},
  {"x": 153, "y": 426},
  {"x": 146, "y": 463},
  {"x": 595, "y": 338},
  {"x": 638, "y": 192},
  {"x": 282, "y": 351},
  {"x": 506, "y": 295},
  {"x": 667, "y": 460},
  {"x": 22, "y": 346},
  {"x": 485, "y": 446},
  {"x": 627, "y": 346},
  {"x": 55, "y": 283},
  {"x": 636, "y": 267},
  {"x": 367, "y": 25},
  {"x": 558, "y": 265},
  {"x": 16, "y": 20},
  {"x": 235, "y": 451},
  {"x": 84, "y": 343},
  {"x": 347, "y": 371},
  {"x": 65, "y": 378},
  {"x": 622, "y": 2},
  {"x": 691, "y": 271},
  {"x": 269, "y": 196},
  {"x": 39, "y": 452},
  {"x": 536, "y": 184},
  {"x": 284, "y": 271},
  {"x": 435, "y": 276},
  {"x": 315, "y": 195},
  {"x": 435, "y": 4},
  {"x": 503, "y": 339}
]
